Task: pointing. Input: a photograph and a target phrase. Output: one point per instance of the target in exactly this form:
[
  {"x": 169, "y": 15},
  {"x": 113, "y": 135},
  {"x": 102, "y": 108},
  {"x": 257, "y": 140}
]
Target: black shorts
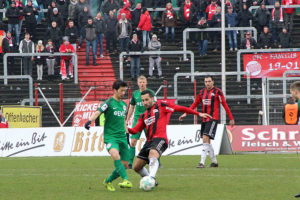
[
  {"x": 209, "y": 128},
  {"x": 158, "y": 144}
]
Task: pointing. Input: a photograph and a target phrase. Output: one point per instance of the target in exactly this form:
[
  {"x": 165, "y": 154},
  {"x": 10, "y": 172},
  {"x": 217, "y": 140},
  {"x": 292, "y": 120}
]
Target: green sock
[
  {"x": 121, "y": 169},
  {"x": 114, "y": 175},
  {"x": 132, "y": 155}
]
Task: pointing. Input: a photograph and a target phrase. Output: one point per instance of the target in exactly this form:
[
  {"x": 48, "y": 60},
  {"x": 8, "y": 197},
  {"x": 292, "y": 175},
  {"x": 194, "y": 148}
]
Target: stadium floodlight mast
[{"x": 223, "y": 61}]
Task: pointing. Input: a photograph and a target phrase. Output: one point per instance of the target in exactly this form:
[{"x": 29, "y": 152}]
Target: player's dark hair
[
  {"x": 118, "y": 83},
  {"x": 295, "y": 86},
  {"x": 209, "y": 77},
  {"x": 147, "y": 92}
]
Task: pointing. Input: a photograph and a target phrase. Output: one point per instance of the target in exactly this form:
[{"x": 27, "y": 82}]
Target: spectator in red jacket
[
  {"x": 290, "y": 12},
  {"x": 66, "y": 67},
  {"x": 210, "y": 11},
  {"x": 3, "y": 121},
  {"x": 126, "y": 10},
  {"x": 145, "y": 26}
]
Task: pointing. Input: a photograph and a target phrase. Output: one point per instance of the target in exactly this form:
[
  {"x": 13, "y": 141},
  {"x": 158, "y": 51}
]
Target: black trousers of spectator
[
  {"x": 260, "y": 28},
  {"x": 111, "y": 37},
  {"x": 27, "y": 63},
  {"x": 31, "y": 29},
  {"x": 216, "y": 38},
  {"x": 10, "y": 64}
]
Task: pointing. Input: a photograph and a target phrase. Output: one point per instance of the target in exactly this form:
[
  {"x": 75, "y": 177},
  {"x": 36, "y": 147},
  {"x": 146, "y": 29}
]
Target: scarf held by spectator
[
  {"x": 280, "y": 15},
  {"x": 187, "y": 10}
]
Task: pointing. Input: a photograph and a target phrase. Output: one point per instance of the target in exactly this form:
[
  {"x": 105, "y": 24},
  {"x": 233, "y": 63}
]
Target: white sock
[
  {"x": 212, "y": 154},
  {"x": 204, "y": 153},
  {"x": 153, "y": 166},
  {"x": 143, "y": 172}
]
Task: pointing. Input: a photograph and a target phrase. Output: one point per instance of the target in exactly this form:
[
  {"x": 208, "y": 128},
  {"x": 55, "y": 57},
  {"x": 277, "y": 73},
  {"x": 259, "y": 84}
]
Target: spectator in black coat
[
  {"x": 56, "y": 16},
  {"x": 239, "y": 4},
  {"x": 202, "y": 37},
  {"x": 110, "y": 5},
  {"x": 243, "y": 19},
  {"x": 135, "y": 45},
  {"x": 9, "y": 46},
  {"x": 30, "y": 21},
  {"x": 278, "y": 19},
  {"x": 187, "y": 13},
  {"x": 63, "y": 9},
  {"x": 284, "y": 39},
  {"x": 248, "y": 42},
  {"x": 54, "y": 33},
  {"x": 13, "y": 14},
  {"x": 111, "y": 34},
  {"x": 3, "y": 5},
  {"x": 82, "y": 22},
  {"x": 216, "y": 23},
  {"x": 89, "y": 33},
  {"x": 79, "y": 8},
  {"x": 201, "y": 6},
  {"x": 136, "y": 16},
  {"x": 72, "y": 33},
  {"x": 265, "y": 40},
  {"x": 51, "y": 6},
  {"x": 262, "y": 17},
  {"x": 148, "y": 3},
  {"x": 100, "y": 30}
]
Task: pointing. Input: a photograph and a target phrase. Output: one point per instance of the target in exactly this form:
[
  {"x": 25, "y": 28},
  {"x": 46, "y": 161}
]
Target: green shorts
[
  {"x": 138, "y": 135},
  {"x": 121, "y": 146}
]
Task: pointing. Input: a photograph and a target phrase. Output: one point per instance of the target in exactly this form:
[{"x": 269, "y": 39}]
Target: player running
[
  {"x": 136, "y": 106},
  {"x": 210, "y": 97},
  {"x": 155, "y": 122},
  {"x": 115, "y": 137}
]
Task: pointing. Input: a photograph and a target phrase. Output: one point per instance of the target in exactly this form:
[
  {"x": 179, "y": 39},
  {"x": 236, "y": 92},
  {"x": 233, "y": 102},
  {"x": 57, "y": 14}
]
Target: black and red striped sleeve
[
  {"x": 140, "y": 125},
  {"x": 225, "y": 105},
  {"x": 197, "y": 101}
]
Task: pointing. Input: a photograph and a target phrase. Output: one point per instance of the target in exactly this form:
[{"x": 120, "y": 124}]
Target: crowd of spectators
[{"x": 129, "y": 23}]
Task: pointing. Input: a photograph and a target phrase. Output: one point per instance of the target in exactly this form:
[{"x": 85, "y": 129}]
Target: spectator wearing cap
[
  {"x": 50, "y": 60},
  {"x": 110, "y": 5},
  {"x": 278, "y": 20},
  {"x": 126, "y": 11},
  {"x": 111, "y": 34},
  {"x": 169, "y": 21},
  {"x": 83, "y": 21},
  {"x": 262, "y": 17},
  {"x": 30, "y": 21},
  {"x": 3, "y": 5},
  {"x": 100, "y": 30},
  {"x": 202, "y": 37},
  {"x": 124, "y": 30},
  {"x": 265, "y": 40},
  {"x": 72, "y": 9},
  {"x": 9, "y": 46},
  {"x": 89, "y": 33},
  {"x": 290, "y": 12},
  {"x": 145, "y": 26},
  {"x": 284, "y": 39},
  {"x": 135, "y": 46},
  {"x": 13, "y": 14},
  {"x": 39, "y": 60},
  {"x": 51, "y": 6},
  {"x": 27, "y": 46},
  {"x": 72, "y": 33},
  {"x": 243, "y": 19},
  {"x": 66, "y": 67},
  {"x": 55, "y": 16},
  {"x": 154, "y": 45},
  {"x": 187, "y": 13},
  {"x": 248, "y": 42},
  {"x": 231, "y": 21}
]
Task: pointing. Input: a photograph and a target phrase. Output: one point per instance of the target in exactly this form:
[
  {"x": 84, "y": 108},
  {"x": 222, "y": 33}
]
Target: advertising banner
[
  {"x": 36, "y": 142},
  {"x": 23, "y": 116},
  {"x": 264, "y": 138},
  {"x": 270, "y": 64},
  {"x": 83, "y": 112}
]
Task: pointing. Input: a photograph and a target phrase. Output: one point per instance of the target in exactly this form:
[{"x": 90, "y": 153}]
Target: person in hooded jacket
[
  {"x": 30, "y": 21},
  {"x": 145, "y": 26},
  {"x": 126, "y": 10}
]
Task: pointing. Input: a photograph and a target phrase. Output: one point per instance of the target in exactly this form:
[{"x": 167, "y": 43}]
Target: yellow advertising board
[{"x": 23, "y": 116}]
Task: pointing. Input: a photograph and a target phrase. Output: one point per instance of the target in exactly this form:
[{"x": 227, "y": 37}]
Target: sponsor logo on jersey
[
  {"x": 170, "y": 109},
  {"x": 119, "y": 113},
  {"x": 114, "y": 108},
  {"x": 206, "y": 102},
  {"x": 212, "y": 94},
  {"x": 149, "y": 120},
  {"x": 139, "y": 104},
  {"x": 155, "y": 111}
]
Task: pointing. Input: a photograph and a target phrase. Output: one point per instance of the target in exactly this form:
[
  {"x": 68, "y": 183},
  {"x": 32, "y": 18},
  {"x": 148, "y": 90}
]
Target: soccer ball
[{"x": 147, "y": 183}]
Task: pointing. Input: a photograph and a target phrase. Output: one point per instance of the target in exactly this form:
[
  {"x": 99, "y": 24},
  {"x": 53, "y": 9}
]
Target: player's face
[
  {"x": 142, "y": 84},
  {"x": 209, "y": 83},
  {"x": 147, "y": 101},
  {"x": 120, "y": 93}
]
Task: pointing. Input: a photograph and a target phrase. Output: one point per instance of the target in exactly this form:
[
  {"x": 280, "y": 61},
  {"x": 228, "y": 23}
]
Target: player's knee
[
  {"x": 136, "y": 168},
  {"x": 133, "y": 142}
]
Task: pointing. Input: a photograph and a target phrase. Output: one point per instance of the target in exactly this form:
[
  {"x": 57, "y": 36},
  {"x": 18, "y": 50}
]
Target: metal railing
[
  {"x": 157, "y": 53},
  {"x": 215, "y": 29},
  {"x": 239, "y": 52},
  {"x": 39, "y": 54},
  {"x": 30, "y": 82}
]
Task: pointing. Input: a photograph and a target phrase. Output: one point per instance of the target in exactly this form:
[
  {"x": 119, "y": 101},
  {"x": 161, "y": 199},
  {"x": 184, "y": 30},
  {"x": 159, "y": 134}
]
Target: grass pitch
[{"x": 239, "y": 177}]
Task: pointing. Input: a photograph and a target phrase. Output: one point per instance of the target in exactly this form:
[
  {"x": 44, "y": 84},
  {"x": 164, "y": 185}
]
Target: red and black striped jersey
[
  {"x": 211, "y": 100},
  {"x": 155, "y": 120}
]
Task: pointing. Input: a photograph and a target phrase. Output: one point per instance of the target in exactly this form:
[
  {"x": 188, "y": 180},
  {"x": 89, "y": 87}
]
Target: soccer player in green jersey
[
  {"x": 136, "y": 106},
  {"x": 115, "y": 138}
]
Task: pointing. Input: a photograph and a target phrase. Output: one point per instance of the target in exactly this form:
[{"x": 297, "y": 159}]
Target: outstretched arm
[
  {"x": 187, "y": 110},
  {"x": 138, "y": 127}
]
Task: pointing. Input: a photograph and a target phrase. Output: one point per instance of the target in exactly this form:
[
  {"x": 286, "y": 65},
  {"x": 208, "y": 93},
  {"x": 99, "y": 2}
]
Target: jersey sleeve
[
  {"x": 138, "y": 127},
  {"x": 225, "y": 105},
  {"x": 197, "y": 101},
  {"x": 103, "y": 107},
  {"x": 132, "y": 100},
  {"x": 178, "y": 108}
]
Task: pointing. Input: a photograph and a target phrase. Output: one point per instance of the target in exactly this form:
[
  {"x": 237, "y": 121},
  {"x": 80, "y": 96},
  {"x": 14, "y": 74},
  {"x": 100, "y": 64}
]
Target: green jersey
[
  {"x": 136, "y": 100},
  {"x": 114, "y": 112}
]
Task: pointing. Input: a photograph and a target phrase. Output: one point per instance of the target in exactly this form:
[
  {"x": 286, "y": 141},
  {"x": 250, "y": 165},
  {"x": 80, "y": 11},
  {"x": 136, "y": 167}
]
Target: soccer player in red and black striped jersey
[
  {"x": 155, "y": 121},
  {"x": 210, "y": 97}
]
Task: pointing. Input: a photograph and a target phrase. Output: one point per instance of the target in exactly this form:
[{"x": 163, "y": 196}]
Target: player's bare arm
[{"x": 130, "y": 112}]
